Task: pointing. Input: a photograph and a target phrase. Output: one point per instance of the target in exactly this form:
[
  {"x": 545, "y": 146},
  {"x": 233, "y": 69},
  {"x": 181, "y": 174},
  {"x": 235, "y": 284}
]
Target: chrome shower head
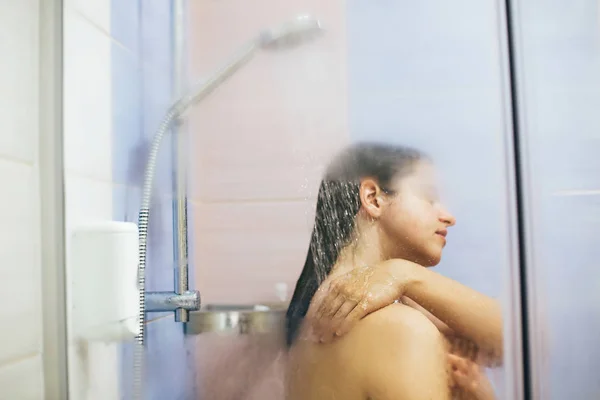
[
  {"x": 293, "y": 33},
  {"x": 290, "y": 34}
]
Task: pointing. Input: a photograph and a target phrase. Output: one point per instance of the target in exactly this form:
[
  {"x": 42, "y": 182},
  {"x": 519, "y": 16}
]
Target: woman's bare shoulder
[
  {"x": 389, "y": 330},
  {"x": 378, "y": 358},
  {"x": 405, "y": 355}
]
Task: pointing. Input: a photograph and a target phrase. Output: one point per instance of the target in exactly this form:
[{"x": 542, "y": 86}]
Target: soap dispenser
[{"x": 103, "y": 272}]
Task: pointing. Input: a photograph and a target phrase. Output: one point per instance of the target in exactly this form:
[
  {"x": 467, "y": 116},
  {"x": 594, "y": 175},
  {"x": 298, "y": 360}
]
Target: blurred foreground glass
[{"x": 558, "y": 83}]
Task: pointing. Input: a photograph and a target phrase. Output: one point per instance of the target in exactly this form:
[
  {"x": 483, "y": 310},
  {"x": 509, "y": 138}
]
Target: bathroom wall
[
  {"x": 439, "y": 86},
  {"x": 259, "y": 144},
  {"x": 21, "y": 374},
  {"x": 118, "y": 85}
]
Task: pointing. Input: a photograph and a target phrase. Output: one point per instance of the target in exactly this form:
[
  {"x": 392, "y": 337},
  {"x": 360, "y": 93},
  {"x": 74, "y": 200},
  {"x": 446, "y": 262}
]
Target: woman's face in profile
[{"x": 413, "y": 220}]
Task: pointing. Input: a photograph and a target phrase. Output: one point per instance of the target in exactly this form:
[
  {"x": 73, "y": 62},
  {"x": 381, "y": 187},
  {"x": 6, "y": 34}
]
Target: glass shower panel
[
  {"x": 434, "y": 76},
  {"x": 430, "y": 76},
  {"x": 257, "y": 147},
  {"x": 558, "y": 74}
]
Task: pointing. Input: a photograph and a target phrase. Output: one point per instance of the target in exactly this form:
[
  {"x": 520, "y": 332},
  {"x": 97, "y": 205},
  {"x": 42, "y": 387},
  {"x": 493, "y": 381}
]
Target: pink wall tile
[
  {"x": 241, "y": 367},
  {"x": 241, "y": 250},
  {"x": 267, "y": 132},
  {"x": 258, "y": 147},
  {"x": 259, "y": 144}
]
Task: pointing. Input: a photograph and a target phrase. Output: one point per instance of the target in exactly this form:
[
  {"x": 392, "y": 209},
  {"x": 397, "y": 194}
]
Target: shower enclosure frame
[{"x": 52, "y": 214}]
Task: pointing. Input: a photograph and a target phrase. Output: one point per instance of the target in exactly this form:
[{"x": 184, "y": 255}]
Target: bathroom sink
[{"x": 237, "y": 319}]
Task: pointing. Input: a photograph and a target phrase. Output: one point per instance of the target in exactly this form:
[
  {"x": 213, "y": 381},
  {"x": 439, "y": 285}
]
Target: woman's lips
[{"x": 442, "y": 233}]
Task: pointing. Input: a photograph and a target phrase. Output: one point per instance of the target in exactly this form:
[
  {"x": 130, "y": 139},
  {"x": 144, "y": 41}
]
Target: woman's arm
[
  {"x": 345, "y": 299},
  {"x": 442, "y": 327},
  {"x": 465, "y": 311},
  {"x": 456, "y": 344}
]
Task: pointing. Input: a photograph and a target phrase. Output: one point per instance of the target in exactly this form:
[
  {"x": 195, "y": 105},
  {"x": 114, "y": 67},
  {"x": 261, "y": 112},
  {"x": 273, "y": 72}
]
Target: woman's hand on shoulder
[{"x": 343, "y": 300}]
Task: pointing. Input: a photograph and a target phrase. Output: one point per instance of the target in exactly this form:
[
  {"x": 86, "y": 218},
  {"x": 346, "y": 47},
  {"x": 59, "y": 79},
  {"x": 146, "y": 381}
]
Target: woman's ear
[{"x": 371, "y": 197}]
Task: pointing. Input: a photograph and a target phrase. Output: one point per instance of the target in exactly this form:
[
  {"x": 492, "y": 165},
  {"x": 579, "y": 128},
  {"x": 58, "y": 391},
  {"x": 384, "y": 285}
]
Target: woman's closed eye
[{"x": 431, "y": 199}]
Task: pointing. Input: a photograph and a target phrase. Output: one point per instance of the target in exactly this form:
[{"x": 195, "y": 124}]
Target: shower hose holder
[{"x": 189, "y": 300}]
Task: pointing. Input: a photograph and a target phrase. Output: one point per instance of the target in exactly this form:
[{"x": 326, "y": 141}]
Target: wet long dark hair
[{"x": 338, "y": 203}]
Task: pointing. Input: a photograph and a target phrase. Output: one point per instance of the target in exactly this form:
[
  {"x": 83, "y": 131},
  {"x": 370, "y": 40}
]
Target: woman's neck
[{"x": 364, "y": 251}]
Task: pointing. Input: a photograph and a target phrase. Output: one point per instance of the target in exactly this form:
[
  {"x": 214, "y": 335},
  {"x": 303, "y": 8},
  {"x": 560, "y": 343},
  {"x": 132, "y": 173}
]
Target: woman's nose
[{"x": 447, "y": 218}]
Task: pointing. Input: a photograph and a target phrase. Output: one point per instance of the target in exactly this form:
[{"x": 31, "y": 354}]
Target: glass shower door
[{"x": 557, "y": 67}]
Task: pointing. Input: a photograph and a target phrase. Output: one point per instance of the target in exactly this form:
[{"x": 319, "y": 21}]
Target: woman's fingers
[
  {"x": 327, "y": 305},
  {"x": 357, "y": 313},
  {"x": 458, "y": 363},
  {"x": 462, "y": 380},
  {"x": 330, "y": 305},
  {"x": 336, "y": 321},
  {"x": 459, "y": 370},
  {"x": 343, "y": 301},
  {"x": 468, "y": 376},
  {"x": 347, "y": 309},
  {"x": 326, "y": 312},
  {"x": 322, "y": 295}
]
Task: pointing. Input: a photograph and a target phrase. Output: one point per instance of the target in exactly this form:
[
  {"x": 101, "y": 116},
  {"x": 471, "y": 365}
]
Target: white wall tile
[
  {"x": 22, "y": 380},
  {"x": 87, "y": 85},
  {"x": 86, "y": 199},
  {"x": 19, "y": 262},
  {"x": 96, "y": 11},
  {"x": 19, "y": 79},
  {"x": 21, "y": 339}
]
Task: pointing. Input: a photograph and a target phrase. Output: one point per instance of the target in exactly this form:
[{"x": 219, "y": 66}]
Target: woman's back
[{"x": 395, "y": 353}]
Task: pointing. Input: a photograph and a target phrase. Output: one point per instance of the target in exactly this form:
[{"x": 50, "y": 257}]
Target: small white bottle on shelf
[{"x": 281, "y": 291}]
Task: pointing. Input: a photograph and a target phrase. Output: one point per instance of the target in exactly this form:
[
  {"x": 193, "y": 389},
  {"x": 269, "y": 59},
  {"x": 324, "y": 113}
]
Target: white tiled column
[{"x": 21, "y": 374}]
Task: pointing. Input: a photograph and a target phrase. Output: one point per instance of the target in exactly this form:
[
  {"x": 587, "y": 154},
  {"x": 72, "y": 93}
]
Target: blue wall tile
[
  {"x": 141, "y": 94},
  {"x": 570, "y": 294},
  {"x": 156, "y": 31},
  {"x": 430, "y": 77},
  {"x": 561, "y": 68},
  {"x": 156, "y": 99},
  {"x": 126, "y": 203},
  {"x": 169, "y": 362},
  {"x": 161, "y": 262},
  {"x": 125, "y": 23}
]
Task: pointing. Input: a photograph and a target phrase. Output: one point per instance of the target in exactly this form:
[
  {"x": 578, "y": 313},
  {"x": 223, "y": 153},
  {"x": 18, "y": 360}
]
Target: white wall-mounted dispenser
[{"x": 103, "y": 281}]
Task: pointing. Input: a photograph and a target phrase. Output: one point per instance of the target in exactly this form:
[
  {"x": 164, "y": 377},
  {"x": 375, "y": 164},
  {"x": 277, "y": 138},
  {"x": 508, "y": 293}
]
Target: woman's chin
[
  {"x": 426, "y": 257},
  {"x": 433, "y": 260}
]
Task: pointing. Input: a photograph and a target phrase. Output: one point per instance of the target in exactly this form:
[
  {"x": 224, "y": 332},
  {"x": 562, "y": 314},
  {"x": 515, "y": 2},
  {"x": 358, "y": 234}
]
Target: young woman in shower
[{"x": 378, "y": 223}]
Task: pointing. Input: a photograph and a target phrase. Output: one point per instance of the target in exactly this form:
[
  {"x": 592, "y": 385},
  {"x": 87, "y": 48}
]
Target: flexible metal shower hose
[
  {"x": 195, "y": 95},
  {"x": 138, "y": 353}
]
